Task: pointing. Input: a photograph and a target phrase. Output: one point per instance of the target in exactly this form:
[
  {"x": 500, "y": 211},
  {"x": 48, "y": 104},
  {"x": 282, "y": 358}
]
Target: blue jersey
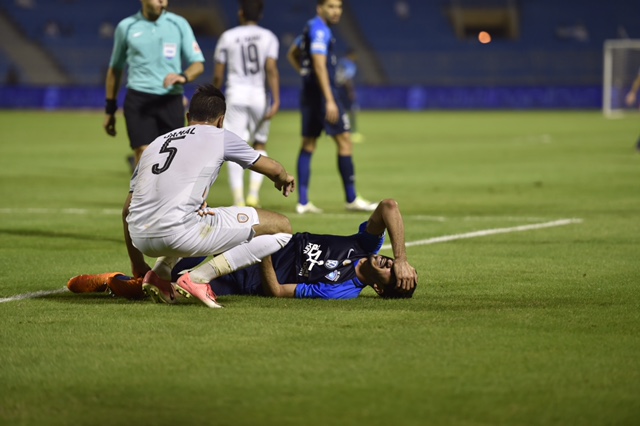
[
  {"x": 345, "y": 71},
  {"x": 323, "y": 266},
  {"x": 316, "y": 38}
]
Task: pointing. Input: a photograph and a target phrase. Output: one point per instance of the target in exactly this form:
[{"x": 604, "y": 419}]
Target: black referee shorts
[{"x": 149, "y": 116}]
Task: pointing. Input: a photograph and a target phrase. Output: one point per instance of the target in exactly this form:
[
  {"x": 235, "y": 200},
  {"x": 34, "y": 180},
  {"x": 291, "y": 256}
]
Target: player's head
[
  {"x": 152, "y": 9},
  {"x": 250, "y": 10},
  {"x": 207, "y": 106},
  {"x": 330, "y": 11},
  {"x": 378, "y": 273}
]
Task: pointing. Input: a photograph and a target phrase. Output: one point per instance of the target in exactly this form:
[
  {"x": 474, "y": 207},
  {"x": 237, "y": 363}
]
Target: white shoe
[
  {"x": 361, "y": 205},
  {"x": 253, "y": 201},
  {"x": 307, "y": 208}
]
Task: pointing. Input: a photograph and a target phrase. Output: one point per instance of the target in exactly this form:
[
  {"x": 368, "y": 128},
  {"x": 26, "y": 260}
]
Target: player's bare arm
[
  {"x": 273, "y": 80},
  {"x": 138, "y": 265},
  {"x": 112, "y": 87},
  {"x": 293, "y": 56},
  {"x": 191, "y": 73},
  {"x": 270, "y": 283},
  {"x": 282, "y": 180},
  {"x": 218, "y": 74},
  {"x": 320, "y": 68},
  {"x": 387, "y": 217},
  {"x": 632, "y": 95}
]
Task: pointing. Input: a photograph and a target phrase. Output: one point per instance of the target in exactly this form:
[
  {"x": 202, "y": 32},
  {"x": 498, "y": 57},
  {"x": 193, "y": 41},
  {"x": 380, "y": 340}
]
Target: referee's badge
[{"x": 170, "y": 50}]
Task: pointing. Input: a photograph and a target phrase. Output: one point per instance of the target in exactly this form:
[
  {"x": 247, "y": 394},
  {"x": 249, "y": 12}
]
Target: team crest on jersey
[
  {"x": 333, "y": 276},
  {"x": 170, "y": 50},
  {"x": 331, "y": 264},
  {"x": 243, "y": 218}
]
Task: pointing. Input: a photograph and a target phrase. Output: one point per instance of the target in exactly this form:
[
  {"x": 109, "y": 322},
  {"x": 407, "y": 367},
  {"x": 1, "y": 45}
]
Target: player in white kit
[
  {"x": 165, "y": 214},
  {"x": 248, "y": 54}
]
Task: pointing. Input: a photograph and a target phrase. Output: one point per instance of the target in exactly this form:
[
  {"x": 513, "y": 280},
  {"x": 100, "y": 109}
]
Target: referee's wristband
[
  {"x": 186, "y": 80},
  {"x": 111, "y": 106}
]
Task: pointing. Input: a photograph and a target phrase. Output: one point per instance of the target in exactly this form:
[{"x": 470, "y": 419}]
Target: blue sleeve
[
  {"x": 346, "y": 290},
  {"x": 320, "y": 36},
  {"x": 370, "y": 242}
]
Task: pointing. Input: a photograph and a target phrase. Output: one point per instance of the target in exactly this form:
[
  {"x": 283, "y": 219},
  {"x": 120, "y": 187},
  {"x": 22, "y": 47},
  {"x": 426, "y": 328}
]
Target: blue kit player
[
  {"x": 312, "y": 55},
  {"x": 329, "y": 266}
]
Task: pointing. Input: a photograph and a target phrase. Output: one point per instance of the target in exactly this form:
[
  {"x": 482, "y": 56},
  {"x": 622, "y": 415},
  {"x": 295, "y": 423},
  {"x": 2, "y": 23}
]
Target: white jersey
[
  {"x": 244, "y": 50},
  {"x": 174, "y": 176}
]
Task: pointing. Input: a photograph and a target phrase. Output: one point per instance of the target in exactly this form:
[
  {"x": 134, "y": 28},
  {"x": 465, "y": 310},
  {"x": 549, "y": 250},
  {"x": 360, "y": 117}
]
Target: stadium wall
[{"x": 414, "y": 98}]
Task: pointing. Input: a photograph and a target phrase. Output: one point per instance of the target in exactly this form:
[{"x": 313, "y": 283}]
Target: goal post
[{"x": 620, "y": 67}]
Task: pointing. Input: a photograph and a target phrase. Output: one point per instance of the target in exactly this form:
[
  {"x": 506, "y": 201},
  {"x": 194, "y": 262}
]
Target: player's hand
[
  {"x": 406, "y": 275},
  {"x": 287, "y": 186},
  {"x": 205, "y": 211},
  {"x": 275, "y": 107},
  {"x": 173, "y": 78},
  {"x": 110, "y": 124},
  {"x": 630, "y": 99},
  {"x": 333, "y": 113},
  {"x": 140, "y": 270}
]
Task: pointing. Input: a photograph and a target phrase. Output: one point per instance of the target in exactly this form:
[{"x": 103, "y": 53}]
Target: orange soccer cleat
[
  {"x": 126, "y": 286},
  {"x": 90, "y": 283}
]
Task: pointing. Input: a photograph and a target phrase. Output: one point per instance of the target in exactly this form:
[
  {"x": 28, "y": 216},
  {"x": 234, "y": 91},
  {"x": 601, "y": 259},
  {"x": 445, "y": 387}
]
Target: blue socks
[
  {"x": 304, "y": 175},
  {"x": 348, "y": 174}
]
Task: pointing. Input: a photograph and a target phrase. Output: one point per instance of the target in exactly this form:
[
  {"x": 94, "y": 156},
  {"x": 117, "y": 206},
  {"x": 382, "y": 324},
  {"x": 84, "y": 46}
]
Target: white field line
[
  {"x": 33, "y": 295},
  {"x": 435, "y": 240},
  {"x": 486, "y": 232},
  {"x": 417, "y": 217}
]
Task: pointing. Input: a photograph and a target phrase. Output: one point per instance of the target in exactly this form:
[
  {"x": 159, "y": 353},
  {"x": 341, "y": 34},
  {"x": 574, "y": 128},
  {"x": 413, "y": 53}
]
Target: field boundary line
[
  {"x": 434, "y": 240},
  {"x": 33, "y": 295},
  {"x": 487, "y": 232}
]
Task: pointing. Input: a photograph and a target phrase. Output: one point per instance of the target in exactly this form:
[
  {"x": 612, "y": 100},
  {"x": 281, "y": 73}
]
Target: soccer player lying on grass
[{"x": 320, "y": 266}]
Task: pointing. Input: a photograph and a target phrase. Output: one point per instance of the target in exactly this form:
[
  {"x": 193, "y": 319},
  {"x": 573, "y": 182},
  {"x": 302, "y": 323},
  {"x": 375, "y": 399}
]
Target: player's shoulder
[
  {"x": 317, "y": 24},
  {"x": 175, "y": 18},
  {"x": 129, "y": 20}
]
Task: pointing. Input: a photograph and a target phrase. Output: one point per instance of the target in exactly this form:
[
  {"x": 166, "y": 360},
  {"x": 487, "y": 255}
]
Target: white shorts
[
  {"x": 204, "y": 236},
  {"x": 247, "y": 121}
]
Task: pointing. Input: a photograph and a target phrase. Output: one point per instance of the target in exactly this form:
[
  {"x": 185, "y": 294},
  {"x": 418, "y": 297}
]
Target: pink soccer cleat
[
  {"x": 202, "y": 292},
  {"x": 159, "y": 290}
]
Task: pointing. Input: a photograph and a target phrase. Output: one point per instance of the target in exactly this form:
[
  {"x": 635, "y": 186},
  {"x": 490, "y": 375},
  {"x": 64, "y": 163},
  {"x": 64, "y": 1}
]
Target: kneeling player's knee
[{"x": 284, "y": 225}]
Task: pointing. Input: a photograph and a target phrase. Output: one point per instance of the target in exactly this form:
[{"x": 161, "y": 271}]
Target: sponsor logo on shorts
[{"x": 243, "y": 218}]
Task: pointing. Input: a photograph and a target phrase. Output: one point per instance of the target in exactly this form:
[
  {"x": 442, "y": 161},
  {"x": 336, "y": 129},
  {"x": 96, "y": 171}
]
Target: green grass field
[{"x": 539, "y": 327}]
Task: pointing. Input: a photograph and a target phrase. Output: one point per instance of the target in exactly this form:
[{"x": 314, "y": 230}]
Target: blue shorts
[{"x": 313, "y": 117}]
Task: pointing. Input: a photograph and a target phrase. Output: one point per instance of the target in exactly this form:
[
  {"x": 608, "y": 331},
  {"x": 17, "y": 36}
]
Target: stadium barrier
[{"x": 414, "y": 98}]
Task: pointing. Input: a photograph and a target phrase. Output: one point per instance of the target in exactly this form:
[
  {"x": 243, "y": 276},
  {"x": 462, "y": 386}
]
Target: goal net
[{"x": 621, "y": 66}]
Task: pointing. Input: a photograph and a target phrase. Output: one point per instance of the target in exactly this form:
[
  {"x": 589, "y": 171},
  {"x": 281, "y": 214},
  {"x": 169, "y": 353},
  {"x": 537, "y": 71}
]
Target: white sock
[
  {"x": 255, "y": 180},
  {"x": 240, "y": 257},
  {"x": 164, "y": 265},
  {"x": 236, "y": 181}
]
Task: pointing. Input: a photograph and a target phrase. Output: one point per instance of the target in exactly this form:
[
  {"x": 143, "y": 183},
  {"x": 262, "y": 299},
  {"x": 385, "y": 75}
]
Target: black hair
[
  {"x": 392, "y": 292},
  {"x": 251, "y": 9},
  {"x": 207, "y": 104}
]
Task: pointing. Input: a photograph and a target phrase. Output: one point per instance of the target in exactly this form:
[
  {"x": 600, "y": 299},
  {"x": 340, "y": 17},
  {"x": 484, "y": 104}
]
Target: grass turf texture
[{"x": 530, "y": 328}]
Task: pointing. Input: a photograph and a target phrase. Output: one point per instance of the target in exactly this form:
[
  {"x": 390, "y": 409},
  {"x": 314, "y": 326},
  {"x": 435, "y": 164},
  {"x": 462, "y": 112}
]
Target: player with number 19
[{"x": 248, "y": 54}]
